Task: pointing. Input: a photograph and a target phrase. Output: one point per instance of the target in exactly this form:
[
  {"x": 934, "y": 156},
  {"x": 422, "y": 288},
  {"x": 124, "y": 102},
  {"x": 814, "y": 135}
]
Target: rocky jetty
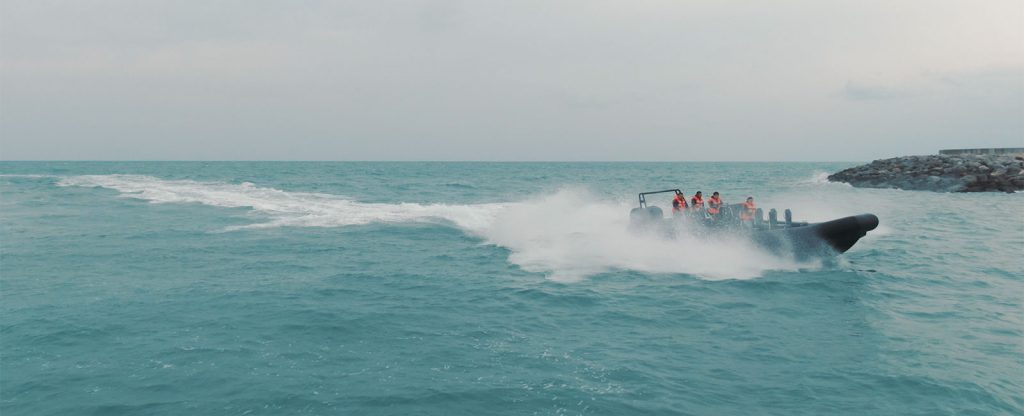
[{"x": 941, "y": 173}]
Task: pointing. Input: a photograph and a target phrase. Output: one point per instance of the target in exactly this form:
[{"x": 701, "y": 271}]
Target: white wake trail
[
  {"x": 283, "y": 208},
  {"x": 567, "y": 235}
]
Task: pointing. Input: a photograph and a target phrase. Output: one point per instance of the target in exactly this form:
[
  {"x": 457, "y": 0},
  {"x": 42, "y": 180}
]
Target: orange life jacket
[
  {"x": 714, "y": 203},
  {"x": 748, "y": 213},
  {"x": 678, "y": 203},
  {"x": 697, "y": 202}
]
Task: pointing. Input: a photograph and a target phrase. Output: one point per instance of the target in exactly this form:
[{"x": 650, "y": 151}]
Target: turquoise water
[{"x": 491, "y": 288}]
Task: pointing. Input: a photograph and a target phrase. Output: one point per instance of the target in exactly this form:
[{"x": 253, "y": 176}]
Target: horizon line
[{"x": 414, "y": 161}]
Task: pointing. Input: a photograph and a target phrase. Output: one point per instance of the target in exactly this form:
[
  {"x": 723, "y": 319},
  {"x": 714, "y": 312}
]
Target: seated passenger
[
  {"x": 714, "y": 203},
  {"x": 749, "y": 209},
  {"x": 678, "y": 204},
  {"x": 697, "y": 202}
]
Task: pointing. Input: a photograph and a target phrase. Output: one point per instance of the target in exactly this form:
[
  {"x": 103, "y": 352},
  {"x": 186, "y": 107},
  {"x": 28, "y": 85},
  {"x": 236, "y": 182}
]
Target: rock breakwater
[{"x": 941, "y": 173}]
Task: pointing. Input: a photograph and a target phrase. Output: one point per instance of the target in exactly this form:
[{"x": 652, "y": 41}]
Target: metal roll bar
[{"x": 643, "y": 199}]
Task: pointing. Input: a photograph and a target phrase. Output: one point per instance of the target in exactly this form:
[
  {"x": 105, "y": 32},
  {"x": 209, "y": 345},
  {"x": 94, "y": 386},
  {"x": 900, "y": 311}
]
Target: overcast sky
[{"x": 508, "y": 80}]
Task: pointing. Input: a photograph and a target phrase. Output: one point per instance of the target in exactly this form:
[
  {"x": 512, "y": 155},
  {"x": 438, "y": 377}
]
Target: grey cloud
[{"x": 489, "y": 80}]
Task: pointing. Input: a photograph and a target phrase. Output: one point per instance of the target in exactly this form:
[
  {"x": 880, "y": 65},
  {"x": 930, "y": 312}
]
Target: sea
[{"x": 378, "y": 288}]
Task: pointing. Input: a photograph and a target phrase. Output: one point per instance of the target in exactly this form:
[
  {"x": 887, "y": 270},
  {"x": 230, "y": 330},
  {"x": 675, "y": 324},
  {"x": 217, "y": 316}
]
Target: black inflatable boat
[{"x": 786, "y": 236}]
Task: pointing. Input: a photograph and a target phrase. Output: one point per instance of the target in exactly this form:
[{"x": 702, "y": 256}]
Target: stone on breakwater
[{"x": 942, "y": 173}]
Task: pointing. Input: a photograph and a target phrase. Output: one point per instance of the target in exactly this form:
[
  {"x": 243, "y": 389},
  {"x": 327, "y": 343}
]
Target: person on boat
[
  {"x": 697, "y": 202},
  {"x": 749, "y": 209},
  {"x": 714, "y": 204},
  {"x": 678, "y": 204}
]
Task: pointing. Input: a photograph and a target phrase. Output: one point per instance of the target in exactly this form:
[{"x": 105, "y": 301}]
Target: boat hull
[
  {"x": 830, "y": 237},
  {"x": 801, "y": 240}
]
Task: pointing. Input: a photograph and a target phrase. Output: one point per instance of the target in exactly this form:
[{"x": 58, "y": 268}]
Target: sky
[{"x": 570, "y": 80}]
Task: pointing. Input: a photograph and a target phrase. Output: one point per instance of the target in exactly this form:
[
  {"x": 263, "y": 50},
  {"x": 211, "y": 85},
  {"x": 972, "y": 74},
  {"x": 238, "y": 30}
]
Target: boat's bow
[
  {"x": 836, "y": 236},
  {"x": 843, "y": 233}
]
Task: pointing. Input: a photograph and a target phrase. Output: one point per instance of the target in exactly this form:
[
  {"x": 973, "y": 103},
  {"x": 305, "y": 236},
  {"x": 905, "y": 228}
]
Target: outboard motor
[
  {"x": 646, "y": 217},
  {"x": 646, "y": 214},
  {"x": 789, "y": 217},
  {"x": 773, "y": 219}
]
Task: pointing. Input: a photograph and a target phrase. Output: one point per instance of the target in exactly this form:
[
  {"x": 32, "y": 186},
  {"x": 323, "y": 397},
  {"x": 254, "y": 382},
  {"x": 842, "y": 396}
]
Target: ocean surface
[{"x": 165, "y": 288}]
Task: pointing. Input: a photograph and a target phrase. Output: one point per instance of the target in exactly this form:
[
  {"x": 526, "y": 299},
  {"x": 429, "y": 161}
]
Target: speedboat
[{"x": 801, "y": 239}]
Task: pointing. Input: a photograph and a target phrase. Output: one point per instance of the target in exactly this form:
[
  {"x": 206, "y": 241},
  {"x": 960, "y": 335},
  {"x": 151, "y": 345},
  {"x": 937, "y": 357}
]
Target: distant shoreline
[{"x": 424, "y": 161}]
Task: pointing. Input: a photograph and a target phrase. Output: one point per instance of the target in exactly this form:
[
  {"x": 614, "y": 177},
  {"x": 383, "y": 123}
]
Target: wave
[
  {"x": 566, "y": 235},
  {"x": 819, "y": 177}
]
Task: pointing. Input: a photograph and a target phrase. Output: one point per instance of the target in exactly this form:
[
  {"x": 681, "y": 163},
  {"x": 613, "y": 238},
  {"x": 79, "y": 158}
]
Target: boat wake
[
  {"x": 283, "y": 208},
  {"x": 566, "y": 235}
]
